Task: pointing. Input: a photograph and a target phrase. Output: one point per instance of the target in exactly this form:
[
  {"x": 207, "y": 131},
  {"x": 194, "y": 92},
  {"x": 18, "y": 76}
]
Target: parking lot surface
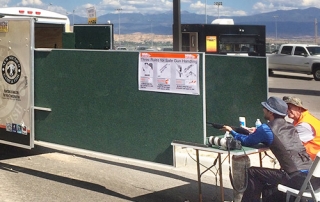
[{"x": 55, "y": 173}]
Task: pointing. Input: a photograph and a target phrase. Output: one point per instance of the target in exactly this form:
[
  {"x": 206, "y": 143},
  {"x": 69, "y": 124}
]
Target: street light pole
[
  {"x": 218, "y": 4},
  {"x": 275, "y": 17},
  {"x": 151, "y": 35},
  {"x": 205, "y": 10},
  {"x": 49, "y": 6},
  {"x": 316, "y": 31},
  {"x": 119, "y": 11},
  {"x": 73, "y": 17}
]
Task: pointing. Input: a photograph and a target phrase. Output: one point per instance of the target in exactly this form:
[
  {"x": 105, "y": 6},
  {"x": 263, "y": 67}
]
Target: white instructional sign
[{"x": 169, "y": 72}]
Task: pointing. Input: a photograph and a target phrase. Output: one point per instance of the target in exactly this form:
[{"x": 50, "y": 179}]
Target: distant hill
[{"x": 289, "y": 23}]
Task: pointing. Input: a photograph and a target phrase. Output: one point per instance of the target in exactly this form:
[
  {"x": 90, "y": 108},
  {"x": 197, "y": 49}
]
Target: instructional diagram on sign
[{"x": 169, "y": 72}]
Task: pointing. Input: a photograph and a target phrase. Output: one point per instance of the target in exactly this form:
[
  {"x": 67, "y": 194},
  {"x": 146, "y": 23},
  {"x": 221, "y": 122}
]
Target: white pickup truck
[{"x": 299, "y": 58}]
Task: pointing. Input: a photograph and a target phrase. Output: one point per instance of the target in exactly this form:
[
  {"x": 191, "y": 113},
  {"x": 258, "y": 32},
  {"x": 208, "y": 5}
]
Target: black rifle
[{"x": 237, "y": 129}]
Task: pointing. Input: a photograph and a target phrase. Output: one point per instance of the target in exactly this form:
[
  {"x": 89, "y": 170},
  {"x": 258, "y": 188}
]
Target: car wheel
[{"x": 316, "y": 74}]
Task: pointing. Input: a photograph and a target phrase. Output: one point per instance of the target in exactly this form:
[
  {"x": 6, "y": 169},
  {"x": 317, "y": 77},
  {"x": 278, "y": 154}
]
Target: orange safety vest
[{"x": 313, "y": 146}]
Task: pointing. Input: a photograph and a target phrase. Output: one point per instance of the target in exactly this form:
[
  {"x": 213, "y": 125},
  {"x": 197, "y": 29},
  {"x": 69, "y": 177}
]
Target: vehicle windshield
[{"x": 314, "y": 50}]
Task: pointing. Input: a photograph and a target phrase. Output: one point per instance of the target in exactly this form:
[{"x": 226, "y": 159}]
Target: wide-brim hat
[
  {"x": 293, "y": 100},
  {"x": 276, "y": 106}
]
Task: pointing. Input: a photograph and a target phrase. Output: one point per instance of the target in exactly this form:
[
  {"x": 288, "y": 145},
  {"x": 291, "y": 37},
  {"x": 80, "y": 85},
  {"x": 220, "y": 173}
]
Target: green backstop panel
[
  {"x": 235, "y": 86},
  {"x": 96, "y": 105},
  {"x": 93, "y": 36},
  {"x": 68, "y": 40}
]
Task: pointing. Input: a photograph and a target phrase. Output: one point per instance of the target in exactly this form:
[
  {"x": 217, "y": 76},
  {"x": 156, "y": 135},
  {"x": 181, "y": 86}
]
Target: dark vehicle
[
  {"x": 139, "y": 48},
  {"x": 167, "y": 49}
]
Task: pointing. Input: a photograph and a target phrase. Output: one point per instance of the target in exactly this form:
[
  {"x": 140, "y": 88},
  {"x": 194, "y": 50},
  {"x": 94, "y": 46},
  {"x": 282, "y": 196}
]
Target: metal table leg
[
  {"x": 260, "y": 157},
  {"x": 199, "y": 177},
  {"x": 221, "y": 179}
]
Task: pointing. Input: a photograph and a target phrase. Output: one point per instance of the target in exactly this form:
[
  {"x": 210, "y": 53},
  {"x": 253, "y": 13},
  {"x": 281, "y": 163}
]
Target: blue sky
[{"x": 228, "y": 8}]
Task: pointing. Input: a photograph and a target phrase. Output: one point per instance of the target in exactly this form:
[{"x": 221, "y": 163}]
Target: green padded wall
[
  {"x": 96, "y": 105},
  {"x": 68, "y": 40},
  {"x": 93, "y": 36},
  {"x": 235, "y": 86}
]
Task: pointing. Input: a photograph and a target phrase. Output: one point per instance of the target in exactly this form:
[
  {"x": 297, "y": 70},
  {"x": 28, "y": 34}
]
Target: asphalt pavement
[
  {"x": 299, "y": 85},
  {"x": 56, "y": 173},
  {"x": 53, "y": 173}
]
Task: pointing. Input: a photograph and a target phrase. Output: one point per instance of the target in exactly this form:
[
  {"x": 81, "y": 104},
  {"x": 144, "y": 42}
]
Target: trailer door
[{"x": 16, "y": 81}]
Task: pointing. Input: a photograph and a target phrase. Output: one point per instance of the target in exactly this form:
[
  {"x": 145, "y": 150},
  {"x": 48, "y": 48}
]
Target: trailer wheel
[{"x": 316, "y": 74}]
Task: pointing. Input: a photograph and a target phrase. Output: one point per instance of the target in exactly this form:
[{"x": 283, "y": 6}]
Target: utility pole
[
  {"x": 73, "y": 19},
  {"x": 276, "y": 41},
  {"x": 218, "y": 4},
  {"x": 316, "y": 31},
  {"x": 119, "y": 11},
  {"x": 151, "y": 35},
  {"x": 205, "y": 10},
  {"x": 177, "y": 39}
]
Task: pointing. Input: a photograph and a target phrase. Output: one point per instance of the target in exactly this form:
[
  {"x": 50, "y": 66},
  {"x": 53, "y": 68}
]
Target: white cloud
[
  {"x": 263, "y": 8},
  {"x": 212, "y": 10},
  {"x": 111, "y": 3},
  {"x": 134, "y": 6},
  {"x": 31, "y": 3},
  {"x": 239, "y": 13},
  {"x": 311, "y": 3},
  {"x": 273, "y": 5},
  {"x": 197, "y": 7},
  {"x": 58, "y": 9},
  {"x": 4, "y": 3}
]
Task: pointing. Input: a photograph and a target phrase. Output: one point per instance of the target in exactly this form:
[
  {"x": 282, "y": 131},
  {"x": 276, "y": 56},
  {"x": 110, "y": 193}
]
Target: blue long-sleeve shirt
[{"x": 263, "y": 134}]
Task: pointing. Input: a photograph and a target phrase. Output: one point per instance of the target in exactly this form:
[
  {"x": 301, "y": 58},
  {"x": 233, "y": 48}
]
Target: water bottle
[
  {"x": 242, "y": 121},
  {"x": 258, "y": 123}
]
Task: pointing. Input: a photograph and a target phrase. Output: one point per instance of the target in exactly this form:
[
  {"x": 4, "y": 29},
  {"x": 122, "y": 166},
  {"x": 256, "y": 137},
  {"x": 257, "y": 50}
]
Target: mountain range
[{"x": 279, "y": 24}]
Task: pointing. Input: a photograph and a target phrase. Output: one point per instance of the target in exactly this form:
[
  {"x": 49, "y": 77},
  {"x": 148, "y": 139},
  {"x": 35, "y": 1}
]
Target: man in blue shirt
[{"x": 283, "y": 140}]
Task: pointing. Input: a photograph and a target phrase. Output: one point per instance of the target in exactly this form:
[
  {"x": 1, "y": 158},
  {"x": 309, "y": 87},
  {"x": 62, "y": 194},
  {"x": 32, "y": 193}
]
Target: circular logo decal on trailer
[{"x": 11, "y": 69}]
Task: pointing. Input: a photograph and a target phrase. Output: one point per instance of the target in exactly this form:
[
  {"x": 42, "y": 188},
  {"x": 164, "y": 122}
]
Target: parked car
[
  {"x": 300, "y": 58},
  {"x": 121, "y": 48},
  {"x": 167, "y": 49},
  {"x": 150, "y": 49},
  {"x": 140, "y": 48}
]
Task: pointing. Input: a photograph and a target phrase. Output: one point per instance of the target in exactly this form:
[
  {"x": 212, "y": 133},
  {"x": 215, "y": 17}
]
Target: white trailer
[
  {"x": 49, "y": 27},
  {"x": 39, "y": 15},
  {"x": 22, "y": 30}
]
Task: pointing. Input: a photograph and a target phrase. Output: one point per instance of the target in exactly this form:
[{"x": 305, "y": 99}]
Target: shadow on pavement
[
  {"x": 295, "y": 91},
  {"x": 70, "y": 181},
  {"x": 291, "y": 77},
  {"x": 187, "y": 192},
  {"x": 176, "y": 195}
]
